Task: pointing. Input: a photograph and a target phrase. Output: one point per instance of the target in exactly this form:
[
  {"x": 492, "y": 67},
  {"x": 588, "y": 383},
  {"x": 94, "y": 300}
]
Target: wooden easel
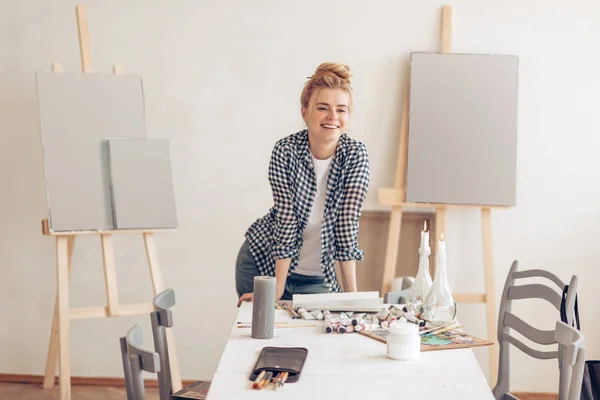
[
  {"x": 396, "y": 197},
  {"x": 65, "y": 243}
]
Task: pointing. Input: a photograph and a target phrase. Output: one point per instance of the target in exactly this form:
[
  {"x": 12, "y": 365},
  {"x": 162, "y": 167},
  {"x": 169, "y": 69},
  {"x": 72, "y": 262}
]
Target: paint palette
[{"x": 441, "y": 341}]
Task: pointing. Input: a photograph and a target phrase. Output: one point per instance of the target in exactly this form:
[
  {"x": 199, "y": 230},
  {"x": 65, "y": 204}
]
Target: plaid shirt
[{"x": 278, "y": 234}]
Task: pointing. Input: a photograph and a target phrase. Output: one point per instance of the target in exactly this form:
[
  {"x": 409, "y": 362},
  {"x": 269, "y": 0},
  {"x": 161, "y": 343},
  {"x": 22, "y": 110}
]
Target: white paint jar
[{"x": 404, "y": 342}]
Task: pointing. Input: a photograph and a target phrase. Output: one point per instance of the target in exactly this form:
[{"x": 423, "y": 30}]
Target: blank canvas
[
  {"x": 141, "y": 184},
  {"x": 77, "y": 113},
  {"x": 462, "y": 145}
]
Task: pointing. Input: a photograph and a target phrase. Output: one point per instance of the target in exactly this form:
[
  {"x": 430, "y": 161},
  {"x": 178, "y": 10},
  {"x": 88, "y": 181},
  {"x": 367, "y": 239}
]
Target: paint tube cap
[{"x": 404, "y": 328}]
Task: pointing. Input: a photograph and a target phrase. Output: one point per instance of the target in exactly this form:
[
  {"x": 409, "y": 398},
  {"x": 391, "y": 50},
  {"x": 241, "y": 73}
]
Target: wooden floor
[
  {"x": 37, "y": 392},
  {"x": 23, "y": 391}
]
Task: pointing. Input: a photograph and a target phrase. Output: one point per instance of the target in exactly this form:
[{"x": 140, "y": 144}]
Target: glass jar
[
  {"x": 422, "y": 284},
  {"x": 404, "y": 342},
  {"x": 439, "y": 306}
]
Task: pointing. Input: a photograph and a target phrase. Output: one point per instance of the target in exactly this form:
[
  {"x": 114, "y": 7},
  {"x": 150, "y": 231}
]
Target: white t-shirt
[{"x": 310, "y": 254}]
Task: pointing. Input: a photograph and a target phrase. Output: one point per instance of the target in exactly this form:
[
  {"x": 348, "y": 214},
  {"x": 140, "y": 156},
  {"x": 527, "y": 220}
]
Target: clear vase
[
  {"x": 439, "y": 306},
  {"x": 422, "y": 284}
]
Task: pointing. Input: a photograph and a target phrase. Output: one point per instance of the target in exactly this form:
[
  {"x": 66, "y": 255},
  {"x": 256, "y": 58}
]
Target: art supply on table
[
  {"x": 304, "y": 313},
  {"x": 263, "y": 312},
  {"x": 346, "y": 301},
  {"x": 258, "y": 379},
  {"x": 281, "y": 326},
  {"x": 433, "y": 328},
  {"x": 448, "y": 340},
  {"x": 281, "y": 380},
  {"x": 287, "y": 306},
  {"x": 287, "y": 360},
  {"x": 404, "y": 342},
  {"x": 318, "y": 314}
]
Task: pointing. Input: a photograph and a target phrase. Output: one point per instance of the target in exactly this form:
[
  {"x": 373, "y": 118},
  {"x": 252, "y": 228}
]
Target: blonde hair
[{"x": 328, "y": 75}]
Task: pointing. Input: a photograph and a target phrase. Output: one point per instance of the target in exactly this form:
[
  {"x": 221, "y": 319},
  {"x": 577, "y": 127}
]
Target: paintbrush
[
  {"x": 445, "y": 329},
  {"x": 278, "y": 326},
  {"x": 435, "y": 328}
]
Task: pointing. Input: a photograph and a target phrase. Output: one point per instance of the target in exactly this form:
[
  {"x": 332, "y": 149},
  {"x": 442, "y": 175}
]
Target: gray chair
[
  {"x": 135, "y": 360},
  {"x": 399, "y": 297},
  {"x": 560, "y": 337},
  {"x": 572, "y": 360},
  {"x": 162, "y": 318}
]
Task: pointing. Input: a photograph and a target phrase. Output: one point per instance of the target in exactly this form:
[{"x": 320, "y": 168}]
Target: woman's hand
[{"x": 245, "y": 297}]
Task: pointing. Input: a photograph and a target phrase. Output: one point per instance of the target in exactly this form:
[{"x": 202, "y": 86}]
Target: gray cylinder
[{"x": 263, "y": 309}]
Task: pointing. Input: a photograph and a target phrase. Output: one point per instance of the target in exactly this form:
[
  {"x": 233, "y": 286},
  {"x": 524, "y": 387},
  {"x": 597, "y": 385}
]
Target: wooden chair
[{"x": 570, "y": 353}]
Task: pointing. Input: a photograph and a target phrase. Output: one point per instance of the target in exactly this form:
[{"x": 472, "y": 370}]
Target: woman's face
[{"x": 327, "y": 118}]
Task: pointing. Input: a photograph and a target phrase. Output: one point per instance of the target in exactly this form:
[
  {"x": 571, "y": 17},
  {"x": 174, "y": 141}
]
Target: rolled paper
[{"x": 263, "y": 310}]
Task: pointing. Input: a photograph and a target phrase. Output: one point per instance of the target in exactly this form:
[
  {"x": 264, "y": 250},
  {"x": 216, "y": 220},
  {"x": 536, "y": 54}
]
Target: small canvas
[
  {"x": 78, "y": 111},
  {"x": 462, "y": 146},
  {"x": 141, "y": 184}
]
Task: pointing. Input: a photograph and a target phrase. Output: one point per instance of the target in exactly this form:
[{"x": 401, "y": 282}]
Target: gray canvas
[
  {"x": 141, "y": 184},
  {"x": 462, "y": 129},
  {"x": 77, "y": 113}
]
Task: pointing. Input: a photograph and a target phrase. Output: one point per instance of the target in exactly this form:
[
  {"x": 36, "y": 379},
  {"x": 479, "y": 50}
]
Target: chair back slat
[
  {"x": 531, "y": 333},
  {"x": 532, "y": 273},
  {"x": 535, "y": 291},
  {"x": 542, "y": 355}
]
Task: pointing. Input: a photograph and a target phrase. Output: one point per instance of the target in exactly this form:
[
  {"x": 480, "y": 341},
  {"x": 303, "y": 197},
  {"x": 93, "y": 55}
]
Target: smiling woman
[{"x": 319, "y": 178}]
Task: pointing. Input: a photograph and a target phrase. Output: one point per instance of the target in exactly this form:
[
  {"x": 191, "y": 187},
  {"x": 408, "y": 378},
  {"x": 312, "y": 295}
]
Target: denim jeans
[{"x": 246, "y": 270}]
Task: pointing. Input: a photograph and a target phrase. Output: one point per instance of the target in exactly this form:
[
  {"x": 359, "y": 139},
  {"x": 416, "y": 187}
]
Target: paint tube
[
  {"x": 340, "y": 328},
  {"x": 357, "y": 318},
  {"x": 343, "y": 316},
  {"x": 326, "y": 314},
  {"x": 384, "y": 324},
  {"x": 305, "y": 314},
  {"x": 411, "y": 318},
  {"x": 350, "y": 328},
  {"x": 318, "y": 314},
  {"x": 329, "y": 328},
  {"x": 368, "y": 327}
]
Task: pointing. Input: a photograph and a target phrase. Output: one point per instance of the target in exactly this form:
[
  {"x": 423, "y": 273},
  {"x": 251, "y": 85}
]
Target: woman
[{"x": 319, "y": 178}]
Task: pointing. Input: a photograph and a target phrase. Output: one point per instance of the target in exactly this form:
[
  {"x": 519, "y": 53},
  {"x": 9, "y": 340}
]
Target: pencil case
[{"x": 280, "y": 359}]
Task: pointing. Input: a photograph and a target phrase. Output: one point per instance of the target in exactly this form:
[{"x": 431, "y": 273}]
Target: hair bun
[{"x": 341, "y": 70}]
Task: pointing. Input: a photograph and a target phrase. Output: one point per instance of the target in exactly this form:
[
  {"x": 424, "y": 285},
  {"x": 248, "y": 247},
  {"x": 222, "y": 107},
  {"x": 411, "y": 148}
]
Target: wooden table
[{"x": 345, "y": 366}]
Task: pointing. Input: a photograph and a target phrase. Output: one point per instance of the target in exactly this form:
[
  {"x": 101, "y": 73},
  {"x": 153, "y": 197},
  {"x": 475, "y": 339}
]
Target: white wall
[{"x": 222, "y": 81}]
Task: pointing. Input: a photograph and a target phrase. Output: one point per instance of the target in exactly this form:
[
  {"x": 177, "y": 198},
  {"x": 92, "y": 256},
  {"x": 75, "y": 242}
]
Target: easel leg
[
  {"x": 110, "y": 274},
  {"x": 53, "y": 345},
  {"x": 393, "y": 244},
  {"x": 62, "y": 258},
  {"x": 157, "y": 285},
  {"x": 490, "y": 295}
]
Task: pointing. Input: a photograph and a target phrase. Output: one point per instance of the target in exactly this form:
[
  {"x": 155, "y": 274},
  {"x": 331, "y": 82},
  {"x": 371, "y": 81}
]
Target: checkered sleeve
[
  {"x": 286, "y": 225},
  {"x": 355, "y": 190}
]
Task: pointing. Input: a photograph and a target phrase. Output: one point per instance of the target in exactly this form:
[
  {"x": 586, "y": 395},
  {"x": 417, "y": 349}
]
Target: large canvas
[
  {"x": 77, "y": 113},
  {"x": 462, "y": 145},
  {"x": 141, "y": 184}
]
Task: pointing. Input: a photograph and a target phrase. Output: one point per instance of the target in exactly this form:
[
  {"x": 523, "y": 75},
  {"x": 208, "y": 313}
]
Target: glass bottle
[
  {"x": 439, "y": 306},
  {"x": 422, "y": 284}
]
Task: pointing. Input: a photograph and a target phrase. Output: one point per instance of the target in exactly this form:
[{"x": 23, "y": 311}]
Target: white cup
[{"x": 404, "y": 342}]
